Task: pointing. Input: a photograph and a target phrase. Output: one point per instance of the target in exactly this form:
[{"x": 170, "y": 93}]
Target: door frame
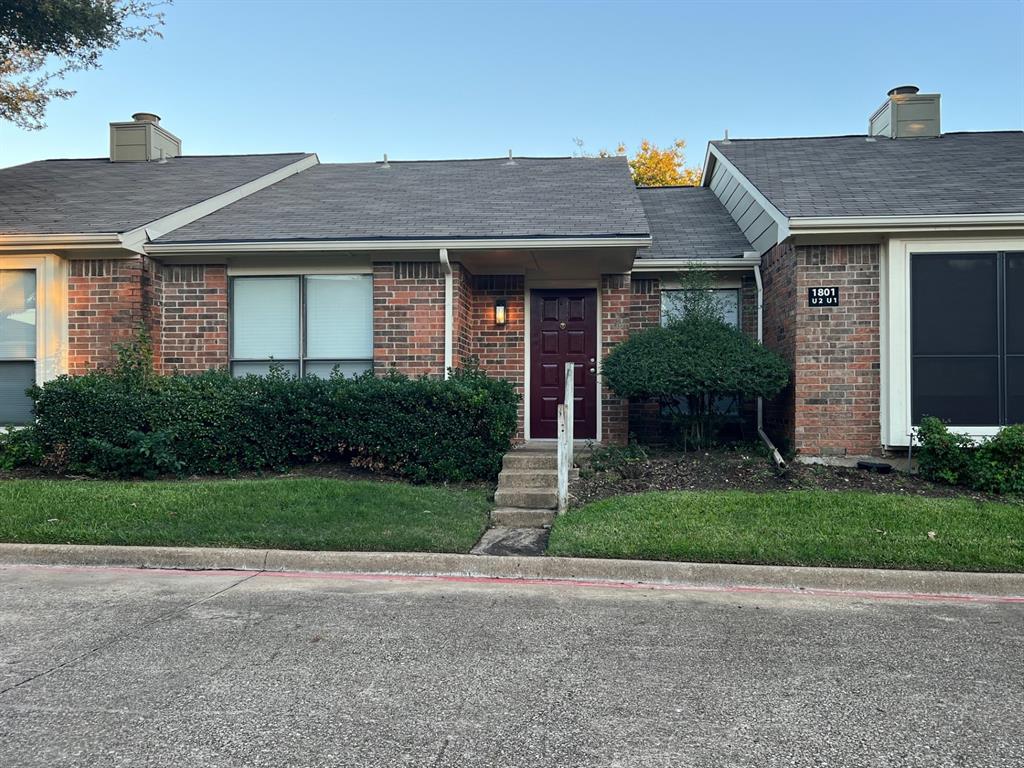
[{"x": 528, "y": 287}]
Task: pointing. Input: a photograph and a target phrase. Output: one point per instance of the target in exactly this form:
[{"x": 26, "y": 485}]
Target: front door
[{"x": 563, "y": 329}]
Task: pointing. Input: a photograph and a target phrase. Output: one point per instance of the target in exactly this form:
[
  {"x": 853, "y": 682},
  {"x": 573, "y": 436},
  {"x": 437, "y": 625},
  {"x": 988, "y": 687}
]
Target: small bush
[
  {"x": 120, "y": 423},
  {"x": 699, "y": 362},
  {"x": 19, "y": 447},
  {"x": 995, "y": 465}
]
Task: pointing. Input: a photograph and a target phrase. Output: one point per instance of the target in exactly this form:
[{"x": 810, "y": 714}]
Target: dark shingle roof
[
  {"x": 96, "y": 195},
  {"x": 957, "y": 173},
  {"x": 450, "y": 199},
  {"x": 689, "y": 223}
]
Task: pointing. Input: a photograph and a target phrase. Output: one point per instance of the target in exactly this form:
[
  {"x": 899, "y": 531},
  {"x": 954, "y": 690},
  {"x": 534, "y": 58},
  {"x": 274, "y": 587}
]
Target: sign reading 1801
[{"x": 823, "y": 297}]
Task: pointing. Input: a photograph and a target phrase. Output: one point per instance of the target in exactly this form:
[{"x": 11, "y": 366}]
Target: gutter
[
  {"x": 779, "y": 461},
  {"x": 285, "y": 246},
  {"x": 449, "y": 311},
  {"x": 814, "y": 225},
  {"x": 748, "y": 260},
  {"x": 77, "y": 240}
]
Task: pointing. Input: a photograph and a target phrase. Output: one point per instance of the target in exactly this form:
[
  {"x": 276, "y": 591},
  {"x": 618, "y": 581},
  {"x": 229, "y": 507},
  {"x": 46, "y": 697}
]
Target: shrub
[
  {"x": 995, "y": 465},
  {"x": 109, "y": 423},
  {"x": 697, "y": 361},
  {"x": 19, "y": 447}
]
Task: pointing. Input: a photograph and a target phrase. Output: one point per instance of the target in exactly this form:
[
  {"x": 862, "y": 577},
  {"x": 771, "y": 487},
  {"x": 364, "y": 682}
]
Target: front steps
[{"x": 527, "y": 494}]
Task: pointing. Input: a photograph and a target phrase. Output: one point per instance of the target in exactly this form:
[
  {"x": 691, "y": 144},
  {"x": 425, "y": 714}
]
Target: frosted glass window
[
  {"x": 265, "y": 318},
  {"x": 15, "y": 378},
  {"x": 17, "y": 313},
  {"x": 339, "y": 317},
  {"x": 262, "y": 369},
  {"x": 348, "y": 370},
  {"x": 673, "y": 306}
]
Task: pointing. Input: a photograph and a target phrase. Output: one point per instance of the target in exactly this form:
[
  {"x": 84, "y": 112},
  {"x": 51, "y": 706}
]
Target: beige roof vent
[
  {"x": 142, "y": 140},
  {"x": 907, "y": 114}
]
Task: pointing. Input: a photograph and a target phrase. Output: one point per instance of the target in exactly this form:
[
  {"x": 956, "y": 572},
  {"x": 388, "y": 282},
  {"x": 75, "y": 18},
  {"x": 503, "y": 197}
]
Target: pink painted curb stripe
[{"x": 579, "y": 583}]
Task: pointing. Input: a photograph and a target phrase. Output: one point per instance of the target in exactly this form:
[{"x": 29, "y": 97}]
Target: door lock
[{"x": 562, "y": 326}]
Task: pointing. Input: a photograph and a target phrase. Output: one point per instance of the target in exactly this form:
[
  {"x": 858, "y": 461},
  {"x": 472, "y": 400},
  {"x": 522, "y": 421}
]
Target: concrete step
[
  {"x": 530, "y": 460},
  {"x": 526, "y": 499},
  {"x": 514, "y": 517},
  {"x": 528, "y": 478}
]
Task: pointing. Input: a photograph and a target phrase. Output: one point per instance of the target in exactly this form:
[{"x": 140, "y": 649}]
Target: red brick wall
[
  {"x": 105, "y": 308},
  {"x": 617, "y": 320},
  {"x": 778, "y": 275},
  {"x": 408, "y": 317},
  {"x": 837, "y": 386},
  {"x": 194, "y": 334}
]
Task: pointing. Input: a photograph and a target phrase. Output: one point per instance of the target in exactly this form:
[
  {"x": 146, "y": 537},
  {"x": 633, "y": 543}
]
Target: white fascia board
[
  {"x": 136, "y": 239},
  {"x": 30, "y": 242},
  {"x": 778, "y": 216},
  {"x": 294, "y": 246},
  {"x": 815, "y": 225},
  {"x": 660, "y": 265},
  {"x": 705, "y": 176}
]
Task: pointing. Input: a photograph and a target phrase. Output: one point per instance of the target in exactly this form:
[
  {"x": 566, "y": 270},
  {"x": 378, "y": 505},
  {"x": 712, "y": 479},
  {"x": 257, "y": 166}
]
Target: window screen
[
  {"x": 967, "y": 338},
  {"x": 673, "y": 304},
  {"x": 305, "y": 325},
  {"x": 17, "y": 344}
]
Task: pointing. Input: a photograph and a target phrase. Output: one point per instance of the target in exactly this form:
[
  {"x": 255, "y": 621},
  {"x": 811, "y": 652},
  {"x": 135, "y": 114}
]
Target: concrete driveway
[{"x": 144, "y": 668}]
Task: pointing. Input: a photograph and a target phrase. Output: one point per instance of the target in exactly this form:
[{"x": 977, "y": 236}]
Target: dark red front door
[{"x": 563, "y": 328}]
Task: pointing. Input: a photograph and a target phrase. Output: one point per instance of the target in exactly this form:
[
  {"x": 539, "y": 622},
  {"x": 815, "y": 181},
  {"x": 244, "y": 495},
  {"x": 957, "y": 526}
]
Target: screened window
[
  {"x": 727, "y": 300},
  {"x": 967, "y": 339},
  {"x": 308, "y": 325},
  {"x": 17, "y": 344}
]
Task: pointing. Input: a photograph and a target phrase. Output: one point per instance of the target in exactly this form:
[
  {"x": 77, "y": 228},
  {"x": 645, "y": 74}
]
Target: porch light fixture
[{"x": 500, "y": 312}]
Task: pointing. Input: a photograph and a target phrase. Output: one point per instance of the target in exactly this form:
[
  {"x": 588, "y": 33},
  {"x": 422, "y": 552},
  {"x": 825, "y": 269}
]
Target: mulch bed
[{"x": 731, "y": 470}]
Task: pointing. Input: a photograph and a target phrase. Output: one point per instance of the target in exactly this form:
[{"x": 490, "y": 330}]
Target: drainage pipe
[
  {"x": 449, "y": 310},
  {"x": 779, "y": 461}
]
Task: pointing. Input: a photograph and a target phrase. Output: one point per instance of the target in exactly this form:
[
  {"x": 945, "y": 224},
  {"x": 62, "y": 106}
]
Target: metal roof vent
[
  {"x": 510, "y": 161},
  {"x": 907, "y": 114},
  {"x": 142, "y": 139}
]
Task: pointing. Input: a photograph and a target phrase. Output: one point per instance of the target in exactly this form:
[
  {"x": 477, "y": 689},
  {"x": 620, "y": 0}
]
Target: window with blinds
[{"x": 18, "y": 347}]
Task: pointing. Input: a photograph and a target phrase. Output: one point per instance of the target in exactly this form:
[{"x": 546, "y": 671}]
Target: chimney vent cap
[
  {"x": 904, "y": 90},
  {"x": 146, "y": 117}
]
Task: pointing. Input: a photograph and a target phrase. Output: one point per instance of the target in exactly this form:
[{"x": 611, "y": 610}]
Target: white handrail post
[{"x": 565, "y": 436}]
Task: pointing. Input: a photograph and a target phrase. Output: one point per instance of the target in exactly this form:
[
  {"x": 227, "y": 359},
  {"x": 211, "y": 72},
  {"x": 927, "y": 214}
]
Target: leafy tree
[
  {"x": 652, "y": 166},
  {"x": 41, "y": 41},
  {"x": 689, "y": 367}
]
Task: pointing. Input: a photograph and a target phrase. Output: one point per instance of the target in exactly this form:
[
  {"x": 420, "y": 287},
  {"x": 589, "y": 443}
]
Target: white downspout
[
  {"x": 449, "y": 311},
  {"x": 779, "y": 461}
]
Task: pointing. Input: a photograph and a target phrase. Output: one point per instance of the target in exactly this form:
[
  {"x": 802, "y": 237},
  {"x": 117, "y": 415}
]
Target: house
[{"x": 882, "y": 265}]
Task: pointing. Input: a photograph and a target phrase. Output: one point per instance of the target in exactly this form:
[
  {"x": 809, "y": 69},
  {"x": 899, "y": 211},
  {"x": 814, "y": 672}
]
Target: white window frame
[
  {"x": 725, "y": 286},
  {"x": 894, "y": 317},
  {"x": 51, "y": 311},
  {"x": 302, "y": 359}
]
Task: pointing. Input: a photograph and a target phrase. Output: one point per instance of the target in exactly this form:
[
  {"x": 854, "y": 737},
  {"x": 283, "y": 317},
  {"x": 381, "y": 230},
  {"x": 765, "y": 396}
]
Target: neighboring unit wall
[
  {"x": 778, "y": 275},
  {"x": 408, "y": 317},
  {"x": 757, "y": 224},
  {"x": 616, "y": 319}
]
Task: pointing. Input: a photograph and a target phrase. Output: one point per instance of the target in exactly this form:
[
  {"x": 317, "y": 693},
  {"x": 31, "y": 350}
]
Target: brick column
[
  {"x": 105, "y": 308},
  {"x": 616, "y": 312},
  {"x": 195, "y": 318},
  {"x": 408, "y": 317}
]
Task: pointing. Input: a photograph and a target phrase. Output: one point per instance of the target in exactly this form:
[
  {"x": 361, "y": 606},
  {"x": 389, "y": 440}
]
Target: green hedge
[
  {"x": 995, "y": 465},
  {"x": 112, "y": 424}
]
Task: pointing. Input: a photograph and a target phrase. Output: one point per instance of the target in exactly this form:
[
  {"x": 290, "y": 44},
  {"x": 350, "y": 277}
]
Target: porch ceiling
[{"x": 548, "y": 263}]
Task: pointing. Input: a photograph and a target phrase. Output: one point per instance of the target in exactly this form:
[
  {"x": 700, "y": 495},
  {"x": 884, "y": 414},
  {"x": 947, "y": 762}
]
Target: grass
[
  {"x": 823, "y": 528},
  {"x": 299, "y": 513}
]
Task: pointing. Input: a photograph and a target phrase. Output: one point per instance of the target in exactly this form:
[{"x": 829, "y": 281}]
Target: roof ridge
[
  {"x": 392, "y": 161},
  {"x": 732, "y": 140}
]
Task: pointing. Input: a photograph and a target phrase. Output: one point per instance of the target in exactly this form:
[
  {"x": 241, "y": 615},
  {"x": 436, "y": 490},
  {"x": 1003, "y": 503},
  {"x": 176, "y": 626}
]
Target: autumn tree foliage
[{"x": 654, "y": 166}]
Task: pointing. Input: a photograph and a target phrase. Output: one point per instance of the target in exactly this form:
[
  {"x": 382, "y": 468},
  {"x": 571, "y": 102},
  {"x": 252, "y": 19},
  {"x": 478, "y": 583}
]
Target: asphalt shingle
[
  {"x": 689, "y": 223},
  {"x": 444, "y": 199},
  {"x": 96, "y": 195},
  {"x": 956, "y": 173}
]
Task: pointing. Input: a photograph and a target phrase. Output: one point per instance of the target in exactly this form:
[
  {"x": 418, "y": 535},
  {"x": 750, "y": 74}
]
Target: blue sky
[{"x": 351, "y": 81}]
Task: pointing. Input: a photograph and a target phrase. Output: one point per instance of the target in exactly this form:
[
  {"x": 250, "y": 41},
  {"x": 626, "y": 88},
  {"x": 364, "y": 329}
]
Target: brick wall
[
  {"x": 408, "y": 317},
  {"x": 105, "y": 308},
  {"x": 837, "y": 386},
  {"x": 778, "y": 275},
  {"x": 194, "y": 334},
  {"x": 617, "y": 320}
]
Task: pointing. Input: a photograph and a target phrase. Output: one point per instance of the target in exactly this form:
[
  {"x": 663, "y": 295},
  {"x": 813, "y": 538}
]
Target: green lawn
[
  {"x": 798, "y": 528},
  {"x": 299, "y": 513}
]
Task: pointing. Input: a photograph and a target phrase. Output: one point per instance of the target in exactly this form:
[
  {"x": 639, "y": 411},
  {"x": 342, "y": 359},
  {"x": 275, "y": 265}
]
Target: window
[
  {"x": 673, "y": 304},
  {"x": 307, "y": 325},
  {"x": 17, "y": 344},
  {"x": 967, "y": 342}
]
